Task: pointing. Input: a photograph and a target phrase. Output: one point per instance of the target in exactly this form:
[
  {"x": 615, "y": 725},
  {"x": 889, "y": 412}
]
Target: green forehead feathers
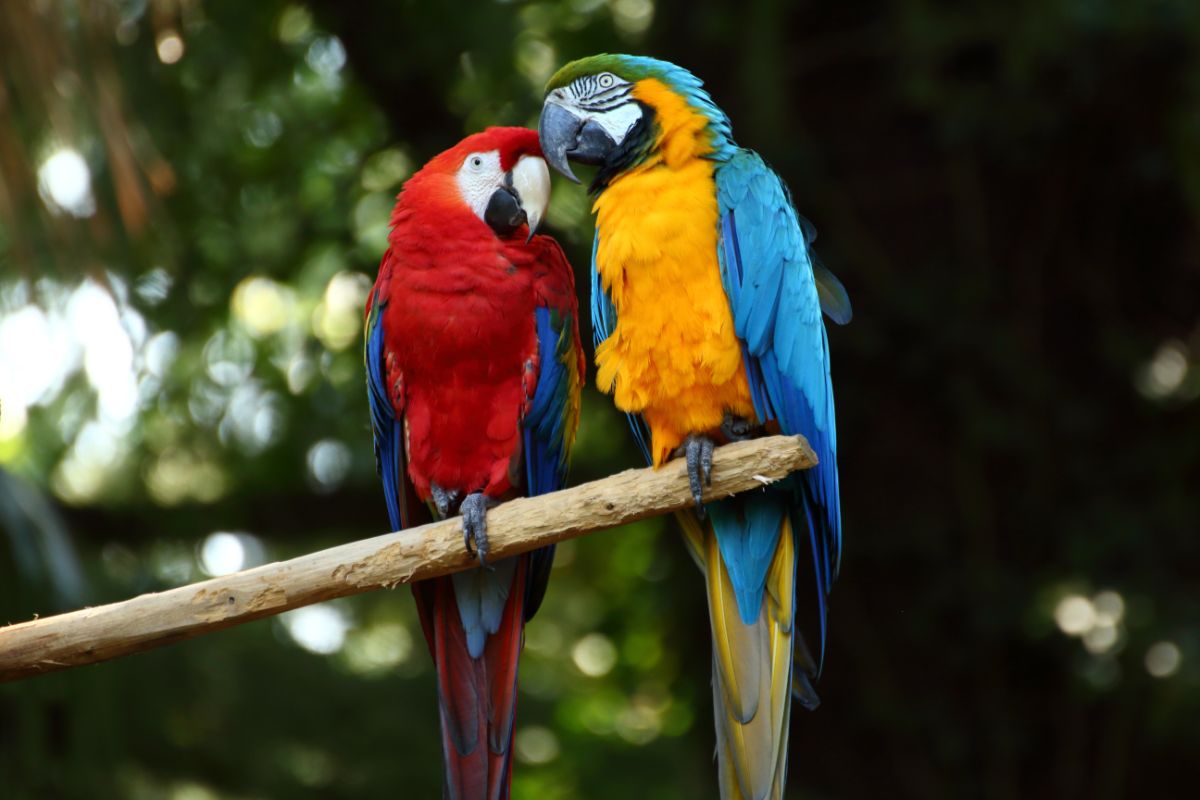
[{"x": 624, "y": 67}]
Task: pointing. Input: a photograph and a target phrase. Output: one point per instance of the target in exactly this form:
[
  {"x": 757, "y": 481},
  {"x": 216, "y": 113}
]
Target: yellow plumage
[
  {"x": 751, "y": 667},
  {"x": 673, "y": 355}
]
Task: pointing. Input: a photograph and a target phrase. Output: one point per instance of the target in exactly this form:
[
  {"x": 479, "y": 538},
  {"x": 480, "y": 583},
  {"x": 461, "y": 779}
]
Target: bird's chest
[
  {"x": 462, "y": 352},
  {"x": 464, "y": 323},
  {"x": 673, "y": 350}
]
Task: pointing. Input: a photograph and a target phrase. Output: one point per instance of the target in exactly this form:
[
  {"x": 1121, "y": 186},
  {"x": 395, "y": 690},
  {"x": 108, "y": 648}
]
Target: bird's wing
[
  {"x": 385, "y": 392},
  {"x": 551, "y": 415},
  {"x": 835, "y": 301},
  {"x": 604, "y": 322},
  {"x": 767, "y": 270}
]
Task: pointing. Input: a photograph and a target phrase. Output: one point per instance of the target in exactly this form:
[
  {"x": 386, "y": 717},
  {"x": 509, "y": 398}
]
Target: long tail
[
  {"x": 477, "y": 695},
  {"x": 752, "y": 667}
]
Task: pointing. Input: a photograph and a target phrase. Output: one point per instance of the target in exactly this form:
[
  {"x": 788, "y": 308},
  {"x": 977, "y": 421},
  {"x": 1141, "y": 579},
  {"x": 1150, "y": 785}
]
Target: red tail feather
[{"x": 474, "y": 772}]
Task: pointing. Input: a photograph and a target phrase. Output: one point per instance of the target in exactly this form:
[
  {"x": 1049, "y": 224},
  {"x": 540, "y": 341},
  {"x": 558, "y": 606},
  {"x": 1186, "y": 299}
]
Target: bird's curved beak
[
  {"x": 566, "y": 136},
  {"x": 522, "y": 199}
]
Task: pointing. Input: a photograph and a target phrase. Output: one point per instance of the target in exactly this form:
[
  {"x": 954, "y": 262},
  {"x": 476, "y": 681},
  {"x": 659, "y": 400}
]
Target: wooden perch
[{"x": 150, "y": 620}]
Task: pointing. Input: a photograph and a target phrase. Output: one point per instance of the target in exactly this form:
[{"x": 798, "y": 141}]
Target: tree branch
[{"x": 151, "y": 620}]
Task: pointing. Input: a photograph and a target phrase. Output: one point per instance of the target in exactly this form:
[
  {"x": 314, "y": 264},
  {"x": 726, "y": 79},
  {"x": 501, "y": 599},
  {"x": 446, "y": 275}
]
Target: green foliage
[{"x": 1009, "y": 193}]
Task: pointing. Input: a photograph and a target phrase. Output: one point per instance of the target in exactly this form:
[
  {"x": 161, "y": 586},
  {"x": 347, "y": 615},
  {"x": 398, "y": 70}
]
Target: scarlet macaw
[
  {"x": 474, "y": 370},
  {"x": 708, "y": 327}
]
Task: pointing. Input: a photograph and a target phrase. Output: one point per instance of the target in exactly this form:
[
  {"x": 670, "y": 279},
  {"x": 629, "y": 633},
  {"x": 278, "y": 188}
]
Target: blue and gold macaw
[{"x": 706, "y": 304}]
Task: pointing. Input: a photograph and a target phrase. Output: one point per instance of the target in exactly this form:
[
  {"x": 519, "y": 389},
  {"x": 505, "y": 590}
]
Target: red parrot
[{"x": 474, "y": 369}]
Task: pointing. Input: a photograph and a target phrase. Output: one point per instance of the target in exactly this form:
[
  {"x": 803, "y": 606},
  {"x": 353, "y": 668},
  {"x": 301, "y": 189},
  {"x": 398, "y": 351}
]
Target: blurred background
[{"x": 194, "y": 198}]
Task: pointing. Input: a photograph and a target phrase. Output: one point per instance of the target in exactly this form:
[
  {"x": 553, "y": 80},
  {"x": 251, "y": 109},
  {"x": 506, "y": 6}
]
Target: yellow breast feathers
[{"x": 673, "y": 356}]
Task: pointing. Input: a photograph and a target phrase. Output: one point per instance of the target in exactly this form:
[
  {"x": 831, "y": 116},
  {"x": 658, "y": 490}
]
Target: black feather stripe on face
[
  {"x": 632, "y": 150},
  {"x": 589, "y": 93},
  {"x": 608, "y": 99}
]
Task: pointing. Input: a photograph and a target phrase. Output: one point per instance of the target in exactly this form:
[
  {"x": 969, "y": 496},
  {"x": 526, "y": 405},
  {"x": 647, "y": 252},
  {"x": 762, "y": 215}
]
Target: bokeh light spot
[
  {"x": 1100, "y": 639},
  {"x": 65, "y": 183},
  {"x": 1164, "y": 375},
  {"x": 326, "y": 56},
  {"x": 262, "y": 305},
  {"x": 169, "y": 45},
  {"x": 638, "y": 723},
  {"x": 384, "y": 170},
  {"x": 328, "y": 463},
  {"x": 536, "y": 745},
  {"x": 295, "y": 24},
  {"x": 633, "y": 17},
  {"x": 318, "y": 629},
  {"x": 594, "y": 655},
  {"x": 1163, "y": 659},
  {"x": 1109, "y": 606},
  {"x": 1074, "y": 615},
  {"x": 222, "y": 554},
  {"x": 378, "y": 649},
  {"x": 337, "y": 320}
]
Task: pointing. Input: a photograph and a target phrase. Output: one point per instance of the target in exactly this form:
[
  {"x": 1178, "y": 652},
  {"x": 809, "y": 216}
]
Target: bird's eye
[
  {"x": 606, "y": 81},
  {"x": 476, "y": 162}
]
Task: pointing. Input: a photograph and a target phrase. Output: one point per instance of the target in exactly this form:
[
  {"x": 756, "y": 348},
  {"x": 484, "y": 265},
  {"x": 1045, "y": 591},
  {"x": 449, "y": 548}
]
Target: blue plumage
[
  {"x": 544, "y": 423},
  {"x": 777, "y": 294},
  {"x": 747, "y": 532},
  {"x": 767, "y": 272},
  {"x": 604, "y": 320},
  {"x": 389, "y": 448},
  {"x": 544, "y": 429}
]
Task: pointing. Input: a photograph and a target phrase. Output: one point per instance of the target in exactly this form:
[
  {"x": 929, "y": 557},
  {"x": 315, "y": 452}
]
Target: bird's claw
[
  {"x": 736, "y": 429},
  {"x": 444, "y": 499},
  {"x": 698, "y": 452},
  {"x": 474, "y": 523}
]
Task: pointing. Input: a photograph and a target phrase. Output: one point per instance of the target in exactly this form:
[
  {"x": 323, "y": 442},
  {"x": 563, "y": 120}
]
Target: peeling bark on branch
[{"x": 150, "y": 620}]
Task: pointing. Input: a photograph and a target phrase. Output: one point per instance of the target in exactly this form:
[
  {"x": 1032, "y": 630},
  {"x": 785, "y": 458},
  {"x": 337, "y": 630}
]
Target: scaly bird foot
[
  {"x": 698, "y": 451},
  {"x": 444, "y": 499},
  {"x": 736, "y": 429},
  {"x": 474, "y": 521}
]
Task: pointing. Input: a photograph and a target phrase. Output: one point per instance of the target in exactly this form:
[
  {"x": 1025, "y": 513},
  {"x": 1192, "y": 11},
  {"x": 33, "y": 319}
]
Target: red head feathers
[
  {"x": 511, "y": 143},
  {"x": 498, "y": 175}
]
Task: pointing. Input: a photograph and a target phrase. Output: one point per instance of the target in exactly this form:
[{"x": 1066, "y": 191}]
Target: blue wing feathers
[
  {"x": 769, "y": 278},
  {"x": 545, "y": 421},
  {"x": 544, "y": 430},
  {"x": 604, "y": 316},
  {"x": 604, "y": 320},
  {"x": 386, "y": 429}
]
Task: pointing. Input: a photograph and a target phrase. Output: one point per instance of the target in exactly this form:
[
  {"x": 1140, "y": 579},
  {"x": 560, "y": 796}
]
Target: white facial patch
[
  {"x": 478, "y": 177},
  {"x": 604, "y": 99},
  {"x": 617, "y": 122}
]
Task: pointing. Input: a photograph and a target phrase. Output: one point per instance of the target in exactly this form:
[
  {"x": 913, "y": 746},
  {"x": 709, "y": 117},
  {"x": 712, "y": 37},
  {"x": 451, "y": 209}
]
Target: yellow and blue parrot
[{"x": 706, "y": 306}]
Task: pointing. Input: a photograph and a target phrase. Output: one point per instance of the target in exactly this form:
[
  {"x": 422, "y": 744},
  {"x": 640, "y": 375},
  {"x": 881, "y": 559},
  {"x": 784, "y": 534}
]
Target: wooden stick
[{"x": 151, "y": 620}]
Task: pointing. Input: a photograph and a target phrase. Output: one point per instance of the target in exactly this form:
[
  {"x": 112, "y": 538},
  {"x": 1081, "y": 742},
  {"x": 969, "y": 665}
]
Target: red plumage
[
  {"x": 459, "y": 321},
  {"x": 456, "y": 304}
]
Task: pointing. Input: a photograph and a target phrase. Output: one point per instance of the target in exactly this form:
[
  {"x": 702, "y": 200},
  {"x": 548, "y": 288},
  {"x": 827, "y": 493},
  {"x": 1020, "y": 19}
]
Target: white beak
[{"x": 531, "y": 179}]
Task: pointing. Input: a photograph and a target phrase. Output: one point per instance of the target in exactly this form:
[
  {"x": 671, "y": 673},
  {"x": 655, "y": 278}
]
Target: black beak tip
[{"x": 504, "y": 213}]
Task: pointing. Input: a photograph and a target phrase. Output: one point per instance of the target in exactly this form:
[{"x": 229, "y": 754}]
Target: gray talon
[
  {"x": 698, "y": 451},
  {"x": 706, "y": 454},
  {"x": 467, "y": 538},
  {"x": 474, "y": 521},
  {"x": 735, "y": 428},
  {"x": 444, "y": 500}
]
